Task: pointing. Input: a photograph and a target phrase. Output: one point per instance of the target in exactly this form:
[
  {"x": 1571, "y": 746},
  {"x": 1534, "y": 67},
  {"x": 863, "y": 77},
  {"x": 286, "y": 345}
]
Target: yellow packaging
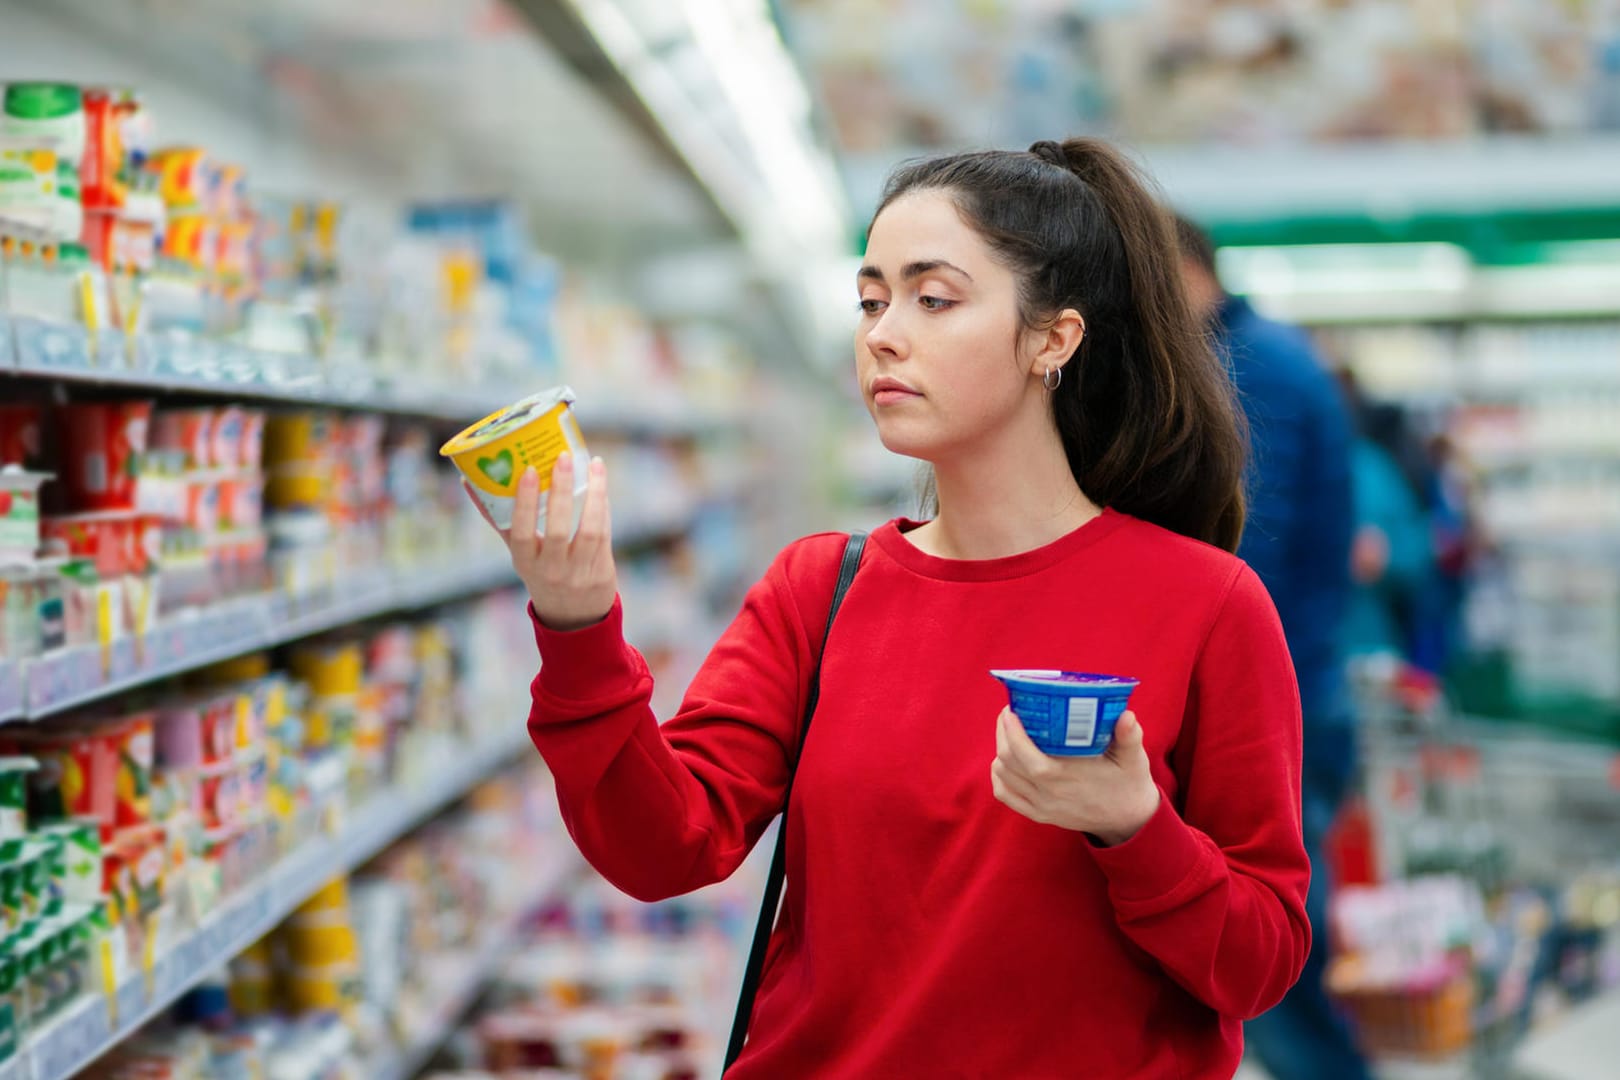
[
  {"x": 321, "y": 941},
  {"x": 295, "y": 486},
  {"x": 331, "y": 720},
  {"x": 333, "y": 896},
  {"x": 298, "y": 438},
  {"x": 251, "y": 996},
  {"x": 242, "y": 668},
  {"x": 257, "y": 953},
  {"x": 330, "y": 670},
  {"x": 322, "y": 989},
  {"x": 533, "y": 433}
]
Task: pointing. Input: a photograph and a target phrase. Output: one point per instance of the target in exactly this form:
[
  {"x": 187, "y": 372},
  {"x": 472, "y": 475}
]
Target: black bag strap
[{"x": 773, "y": 882}]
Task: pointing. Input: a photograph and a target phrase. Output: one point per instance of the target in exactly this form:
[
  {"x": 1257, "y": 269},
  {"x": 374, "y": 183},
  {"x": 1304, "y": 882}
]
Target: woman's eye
[
  {"x": 871, "y": 307},
  {"x": 934, "y": 303}
]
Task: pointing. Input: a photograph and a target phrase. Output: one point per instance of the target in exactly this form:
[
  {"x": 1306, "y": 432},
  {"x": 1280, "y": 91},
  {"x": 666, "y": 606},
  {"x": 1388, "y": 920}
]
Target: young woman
[{"x": 958, "y": 903}]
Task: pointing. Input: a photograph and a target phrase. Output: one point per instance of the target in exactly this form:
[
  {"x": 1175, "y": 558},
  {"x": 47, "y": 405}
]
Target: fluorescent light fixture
[
  {"x": 757, "y": 154},
  {"x": 1287, "y": 270}
]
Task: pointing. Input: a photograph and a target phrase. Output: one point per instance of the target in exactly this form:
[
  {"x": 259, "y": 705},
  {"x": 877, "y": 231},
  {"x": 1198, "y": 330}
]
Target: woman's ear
[{"x": 1057, "y": 342}]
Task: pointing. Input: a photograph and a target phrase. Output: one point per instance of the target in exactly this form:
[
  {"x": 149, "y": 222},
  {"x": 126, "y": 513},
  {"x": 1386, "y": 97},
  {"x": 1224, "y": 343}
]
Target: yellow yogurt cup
[
  {"x": 533, "y": 433},
  {"x": 314, "y": 942},
  {"x": 322, "y": 988}
]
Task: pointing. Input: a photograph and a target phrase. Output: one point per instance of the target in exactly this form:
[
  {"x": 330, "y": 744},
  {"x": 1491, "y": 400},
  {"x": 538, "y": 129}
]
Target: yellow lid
[{"x": 507, "y": 420}]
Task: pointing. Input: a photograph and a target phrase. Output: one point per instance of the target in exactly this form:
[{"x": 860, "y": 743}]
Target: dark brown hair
[{"x": 1147, "y": 412}]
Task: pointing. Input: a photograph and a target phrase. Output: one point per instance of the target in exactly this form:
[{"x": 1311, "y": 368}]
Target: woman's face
[{"x": 938, "y": 346}]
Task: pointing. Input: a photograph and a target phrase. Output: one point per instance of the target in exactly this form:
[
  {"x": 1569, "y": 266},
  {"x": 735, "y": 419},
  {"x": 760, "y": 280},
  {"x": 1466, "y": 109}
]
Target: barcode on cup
[{"x": 1082, "y": 721}]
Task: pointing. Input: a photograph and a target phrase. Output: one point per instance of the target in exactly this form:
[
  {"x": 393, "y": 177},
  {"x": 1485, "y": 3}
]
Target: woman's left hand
[{"x": 1110, "y": 796}]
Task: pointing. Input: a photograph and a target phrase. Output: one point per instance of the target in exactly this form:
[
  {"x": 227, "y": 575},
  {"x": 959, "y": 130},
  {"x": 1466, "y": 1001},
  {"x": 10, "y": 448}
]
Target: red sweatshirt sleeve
[
  {"x": 660, "y": 811},
  {"x": 1215, "y": 889}
]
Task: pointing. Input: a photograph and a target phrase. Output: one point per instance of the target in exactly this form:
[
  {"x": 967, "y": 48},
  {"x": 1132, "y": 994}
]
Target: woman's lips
[{"x": 887, "y": 391}]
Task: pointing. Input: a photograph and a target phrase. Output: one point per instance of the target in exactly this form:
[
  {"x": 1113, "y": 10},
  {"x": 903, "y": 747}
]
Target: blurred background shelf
[
  {"x": 76, "y": 677},
  {"x": 88, "y": 1030}
]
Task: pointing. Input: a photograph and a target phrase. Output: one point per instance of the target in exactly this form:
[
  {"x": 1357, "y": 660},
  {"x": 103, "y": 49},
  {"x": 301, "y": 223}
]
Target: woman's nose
[{"x": 885, "y": 335}]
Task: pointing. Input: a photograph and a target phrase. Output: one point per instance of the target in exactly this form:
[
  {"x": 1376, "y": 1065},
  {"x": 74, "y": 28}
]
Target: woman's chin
[{"x": 906, "y": 445}]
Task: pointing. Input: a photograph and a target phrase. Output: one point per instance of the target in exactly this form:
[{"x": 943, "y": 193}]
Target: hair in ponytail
[{"x": 1147, "y": 412}]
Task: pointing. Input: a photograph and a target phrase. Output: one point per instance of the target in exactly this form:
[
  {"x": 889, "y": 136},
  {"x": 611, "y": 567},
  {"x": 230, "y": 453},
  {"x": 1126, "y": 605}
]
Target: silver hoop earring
[{"x": 1049, "y": 382}]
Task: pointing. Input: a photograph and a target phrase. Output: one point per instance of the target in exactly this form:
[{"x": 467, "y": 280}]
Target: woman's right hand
[{"x": 572, "y": 582}]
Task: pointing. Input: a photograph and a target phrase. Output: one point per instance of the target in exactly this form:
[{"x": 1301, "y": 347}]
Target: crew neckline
[{"x": 892, "y": 539}]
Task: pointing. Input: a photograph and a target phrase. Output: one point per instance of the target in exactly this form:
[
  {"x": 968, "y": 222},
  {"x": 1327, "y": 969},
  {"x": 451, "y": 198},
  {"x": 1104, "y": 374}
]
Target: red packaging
[
  {"x": 222, "y": 799},
  {"x": 136, "y": 861},
  {"x": 117, "y": 880},
  {"x": 183, "y": 177},
  {"x": 132, "y": 742},
  {"x": 251, "y": 453},
  {"x": 100, "y": 236},
  {"x": 241, "y": 503},
  {"x": 218, "y": 729},
  {"x": 113, "y": 540},
  {"x": 104, "y": 443},
  {"x": 77, "y": 776},
  {"x": 20, "y": 431},
  {"x": 187, "y": 430},
  {"x": 225, "y": 442},
  {"x": 202, "y": 505},
  {"x": 117, "y": 241},
  {"x": 100, "y": 186},
  {"x": 233, "y": 248},
  {"x": 189, "y": 239}
]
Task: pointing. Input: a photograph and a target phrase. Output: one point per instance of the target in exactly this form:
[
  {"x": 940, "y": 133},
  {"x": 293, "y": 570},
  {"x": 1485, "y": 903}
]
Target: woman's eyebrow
[{"x": 912, "y": 270}]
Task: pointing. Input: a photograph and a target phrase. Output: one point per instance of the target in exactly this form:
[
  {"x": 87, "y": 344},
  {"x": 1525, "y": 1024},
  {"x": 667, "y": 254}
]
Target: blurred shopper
[
  {"x": 959, "y": 903},
  {"x": 1298, "y": 541},
  {"x": 1456, "y": 549},
  {"x": 1393, "y": 610}
]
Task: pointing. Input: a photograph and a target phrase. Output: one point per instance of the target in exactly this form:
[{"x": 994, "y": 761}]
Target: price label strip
[
  {"x": 50, "y": 680},
  {"x": 58, "y": 346},
  {"x": 66, "y": 1048}
]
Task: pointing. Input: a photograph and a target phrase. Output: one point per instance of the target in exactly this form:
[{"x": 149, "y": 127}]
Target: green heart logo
[{"x": 498, "y": 468}]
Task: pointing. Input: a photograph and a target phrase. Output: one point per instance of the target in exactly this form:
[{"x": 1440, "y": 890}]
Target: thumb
[{"x": 1127, "y": 737}]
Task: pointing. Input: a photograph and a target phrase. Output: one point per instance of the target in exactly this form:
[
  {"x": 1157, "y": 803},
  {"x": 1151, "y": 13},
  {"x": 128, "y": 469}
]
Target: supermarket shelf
[
  {"x": 469, "y": 982},
  {"x": 184, "y": 364},
  {"x": 87, "y": 1030},
  {"x": 178, "y": 364},
  {"x": 75, "y": 677},
  {"x": 1491, "y": 296}
]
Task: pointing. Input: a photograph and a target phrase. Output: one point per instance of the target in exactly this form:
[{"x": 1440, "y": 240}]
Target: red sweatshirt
[{"x": 928, "y": 930}]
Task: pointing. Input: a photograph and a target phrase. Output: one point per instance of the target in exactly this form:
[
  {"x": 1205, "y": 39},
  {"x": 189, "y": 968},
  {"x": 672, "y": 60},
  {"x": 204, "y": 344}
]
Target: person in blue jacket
[
  {"x": 1298, "y": 537},
  {"x": 1395, "y": 609}
]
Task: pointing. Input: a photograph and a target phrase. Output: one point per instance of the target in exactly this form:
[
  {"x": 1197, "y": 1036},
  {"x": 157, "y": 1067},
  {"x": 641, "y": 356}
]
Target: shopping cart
[{"x": 1521, "y": 828}]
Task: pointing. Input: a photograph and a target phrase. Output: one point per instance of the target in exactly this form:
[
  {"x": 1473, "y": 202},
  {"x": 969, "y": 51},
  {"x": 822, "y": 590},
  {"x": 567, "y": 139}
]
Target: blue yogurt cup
[{"x": 1068, "y": 713}]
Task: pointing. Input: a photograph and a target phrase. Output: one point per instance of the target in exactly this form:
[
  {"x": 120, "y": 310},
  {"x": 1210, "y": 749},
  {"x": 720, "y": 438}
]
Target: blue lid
[{"x": 1066, "y": 679}]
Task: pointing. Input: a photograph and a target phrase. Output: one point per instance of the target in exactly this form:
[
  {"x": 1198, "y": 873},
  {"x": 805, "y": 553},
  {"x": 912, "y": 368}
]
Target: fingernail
[
  {"x": 598, "y": 463},
  {"x": 530, "y": 478},
  {"x": 565, "y": 461}
]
